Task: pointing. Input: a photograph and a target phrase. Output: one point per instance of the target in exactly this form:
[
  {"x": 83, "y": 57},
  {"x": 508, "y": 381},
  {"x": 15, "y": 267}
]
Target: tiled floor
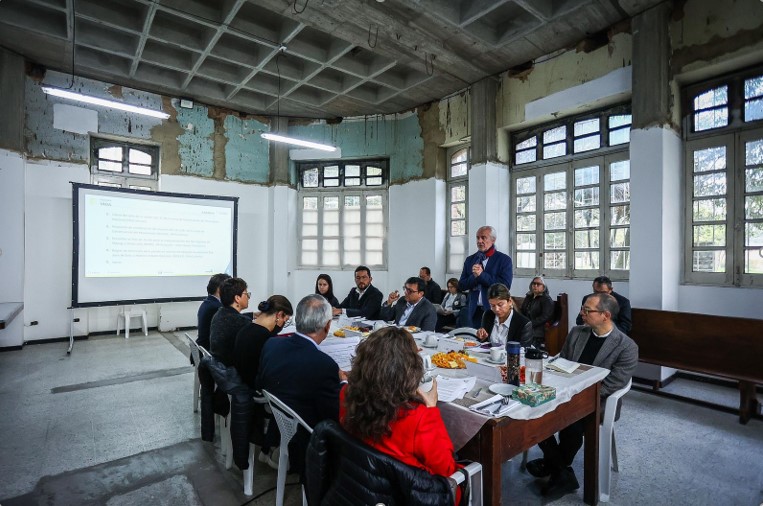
[{"x": 113, "y": 424}]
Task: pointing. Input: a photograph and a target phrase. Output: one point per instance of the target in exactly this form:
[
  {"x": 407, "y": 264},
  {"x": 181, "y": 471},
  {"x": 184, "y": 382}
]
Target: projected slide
[
  {"x": 128, "y": 237},
  {"x": 134, "y": 246}
]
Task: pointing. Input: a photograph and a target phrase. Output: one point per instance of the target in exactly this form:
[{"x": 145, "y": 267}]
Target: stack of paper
[
  {"x": 450, "y": 389},
  {"x": 341, "y": 350},
  {"x": 562, "y": 365}
]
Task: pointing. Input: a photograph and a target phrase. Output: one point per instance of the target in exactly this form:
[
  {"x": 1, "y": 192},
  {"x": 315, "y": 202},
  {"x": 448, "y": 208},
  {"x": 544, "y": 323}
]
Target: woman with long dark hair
[
  {"x": 324, "y": 286},
  {"x": 383, "y": 405}
]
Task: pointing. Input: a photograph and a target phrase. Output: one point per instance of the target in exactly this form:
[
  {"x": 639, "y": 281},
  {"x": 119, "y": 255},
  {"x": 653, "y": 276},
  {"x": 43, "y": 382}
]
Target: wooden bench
[
  {"x": 557, "y": 328},
  {"x": 716, "y": 345}
]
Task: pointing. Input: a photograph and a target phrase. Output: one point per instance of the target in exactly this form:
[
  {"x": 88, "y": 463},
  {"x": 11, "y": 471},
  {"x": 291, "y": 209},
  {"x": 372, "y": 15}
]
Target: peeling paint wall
[
  {"x": 398, "y": 137},
  {"x": 454, "y": 118},
  {"x": 247, "y": 155},
  {"x": 196, "y": 143}
]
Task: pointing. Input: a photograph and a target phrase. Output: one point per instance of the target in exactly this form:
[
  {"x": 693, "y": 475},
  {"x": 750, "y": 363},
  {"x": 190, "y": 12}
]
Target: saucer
[
  {"x": 497, "y": 362},
  {"x": 425, "y": 345},
  {"x": 502, "y": 389}
]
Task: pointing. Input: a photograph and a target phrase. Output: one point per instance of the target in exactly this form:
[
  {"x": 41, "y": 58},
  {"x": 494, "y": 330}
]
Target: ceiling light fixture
[
  {"x": 57, "y": 92},
  {"x": 283, "y": 138},
  {"x": 297, "y": 142}
]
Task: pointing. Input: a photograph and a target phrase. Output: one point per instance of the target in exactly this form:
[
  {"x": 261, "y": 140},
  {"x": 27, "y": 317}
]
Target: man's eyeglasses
[
  {"x": 587, "y": 311},
  {"x": 409, "y": 291},
  {"x": 537, "y": 283},
  {"x": 248, "y": 294}
]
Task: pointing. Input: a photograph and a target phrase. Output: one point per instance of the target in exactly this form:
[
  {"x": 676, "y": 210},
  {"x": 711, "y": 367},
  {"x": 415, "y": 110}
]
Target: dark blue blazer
[
  {"x": 207, "y": 310},
  {"x": 423, "y": 316},
  {"x": 367, "y": 306},
  {"x": 499, "y": 269},
  {"x": 306, "y": 379}
]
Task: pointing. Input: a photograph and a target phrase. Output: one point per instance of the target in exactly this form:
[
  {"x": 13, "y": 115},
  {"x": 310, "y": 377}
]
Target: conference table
[{"x": 492, "y": 441}]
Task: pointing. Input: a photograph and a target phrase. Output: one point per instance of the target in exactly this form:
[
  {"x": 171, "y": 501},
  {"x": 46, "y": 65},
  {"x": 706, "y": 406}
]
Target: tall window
[
  {"x": 458, "y": 191},
  {"x": 571, "y": 194},
  {"x": 123, "y": 164},
  {"x": 343, "y": 219},
  {"x": 723, "y": 127}
]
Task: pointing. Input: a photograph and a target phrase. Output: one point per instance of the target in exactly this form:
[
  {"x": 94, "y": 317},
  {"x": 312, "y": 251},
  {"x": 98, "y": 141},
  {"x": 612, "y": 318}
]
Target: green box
[{"x": 533, "y": 394}]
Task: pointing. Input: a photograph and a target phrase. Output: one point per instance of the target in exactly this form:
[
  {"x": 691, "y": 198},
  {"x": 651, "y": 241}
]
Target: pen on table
[{"x": 553, "y": 358}]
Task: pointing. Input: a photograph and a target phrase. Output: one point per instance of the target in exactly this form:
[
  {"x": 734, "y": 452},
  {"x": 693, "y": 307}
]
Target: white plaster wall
[
  {"x": 489, "y": 203},
  {"x": 724, "y": 301},
  {"x": 11, "y": 226}
]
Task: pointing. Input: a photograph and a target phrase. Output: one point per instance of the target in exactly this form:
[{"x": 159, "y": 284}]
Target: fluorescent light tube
[
  {"x": 57, "y": 92},
  {"x": 298, "y": 142}
]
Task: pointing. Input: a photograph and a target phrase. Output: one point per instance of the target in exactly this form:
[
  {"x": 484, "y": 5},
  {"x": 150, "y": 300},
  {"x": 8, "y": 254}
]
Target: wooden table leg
[
  {"x": 591, "y": 455},
  {"x": 747, "y": 401},
  {"x": 491, "y": 476}
]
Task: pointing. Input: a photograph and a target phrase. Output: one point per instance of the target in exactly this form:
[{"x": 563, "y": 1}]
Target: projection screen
[{"x": 133, "y": 246}]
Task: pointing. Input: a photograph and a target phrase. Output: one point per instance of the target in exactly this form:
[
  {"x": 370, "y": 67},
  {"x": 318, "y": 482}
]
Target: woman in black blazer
[{"x": 494, "y": 321}]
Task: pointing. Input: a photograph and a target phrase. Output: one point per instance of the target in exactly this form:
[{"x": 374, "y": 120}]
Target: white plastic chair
[
  {"x": 249, "y": 473},
  {"x": 196, "y": 355},
  {"x": 463, "y": 332},
  {"x": 474, "y": 470},
  {"x": 125, "y": 317},
  {"x": 607, "y": 448},
  {"x": 288, "y": 422}
]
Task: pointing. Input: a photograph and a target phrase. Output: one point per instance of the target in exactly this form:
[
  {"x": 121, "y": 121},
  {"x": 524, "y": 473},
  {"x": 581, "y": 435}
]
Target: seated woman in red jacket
[{"x": 383, "y": 406}]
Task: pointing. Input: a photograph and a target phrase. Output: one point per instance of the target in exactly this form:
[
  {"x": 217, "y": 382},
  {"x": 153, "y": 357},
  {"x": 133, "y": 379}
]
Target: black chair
[{"x": 343, "y": 471}]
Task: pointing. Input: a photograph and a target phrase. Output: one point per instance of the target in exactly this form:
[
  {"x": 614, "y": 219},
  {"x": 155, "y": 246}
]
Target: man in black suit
[
  {"x": 415, "y": 310},
  {"x": 603, "y": 284},
  {"x": 364, "y": 300},
  {"x": 208, "y": 308},
  {"x": 307, "y": 380},
  {"x": 432, "y": 290}
]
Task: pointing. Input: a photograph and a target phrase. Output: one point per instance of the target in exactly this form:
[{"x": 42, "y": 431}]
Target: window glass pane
[
  {"x": 352, "y": 181},
  {"x": 310, "y": 244},
  {"x": 753, "y": 234},
  {"x": 587, "y": 175},
  {"x": 620, "y": 260},
  {"x": 143, "y": 170},
  {"x": 458, "y": 170},
  {"x": 525, "y": 185},
  {"x": 309, "y": 257},
  {"x": 753, "y": 207},
  {"x": 753, "y": 261},
  {"x": 620, "y": 170},
  {"x": 374, "y": 202},
  {"x": 526, "y": 241},
  {"x": 458, "y": 193},
  {"x": 526, "y": 222},
  {"x": 372, "y": 170},
  {"x": 110, "y": 185},
  {"x": 310, "y": 217},
  {"x": 147, "y": 188},
  {"x": 330, "y": 183},
  {"x": 554, "y": 240},
  {"x": 586, "y": 218},
  {"x": 709, "y": 210},
  {"x": 620, "y": 238},
  {"x": 620, "y": 215},
  {"x": 109, "y": 166},
  {"x": 586, "y": 259},
  {"x": 331, "y": 202},
  {"x": 619, "y": 120},
  {"x": 619, "y": 136},
  {"x": 331, "y": 171},
  {"x": 554, "y": 201},
  {"x": 587, "y": 238},
  {"x": 587, "y": 197},
  {"x": 709, "y": 185},
  {"x": 526, "y": 260},
  {"x": 711, "y": 98},
  {"x": 586, "y": 126},
  {"x": 554, "y": 150},
  {"x": 709, "y": 235},
  {"x": 555, "y": 221},
  {"x": 713, "y": 118},
  {"x": 587, "y": 143},
  {"x": 526, "y": 204},
  {"x": 555, "y": 134},
  {"x": 527, "y": 143},
  {"x": 330, "y": 218},
  {"x": 555, "y": 181},
  {"x": 309, "y": 230},
  {"x": 554, "y": 260},
  {"x": 352, "y": 170},
  {"x": 374, "y": 181},
  {"x": 459, "y": 156},
  {"x": 141, "y": 157},
  {"x": 352, "y": 201},
  {"x": 527, "y": 156},
  {"x": 310, "y": 178},
  {"x": 753, "y": 152},
  {"x": 753, "y": 87},
  {"x": 753, "y": 110},
  {"x": 620, "y": 192},
  {"x": 709, "y": 261},
  {"x": 710, "y": 159},
  {"x": 458, "y": 228},
  {"x": 458, "y": 211},
  {"x": 374, "y": 215},
  {"x": 111, "y": 153}
]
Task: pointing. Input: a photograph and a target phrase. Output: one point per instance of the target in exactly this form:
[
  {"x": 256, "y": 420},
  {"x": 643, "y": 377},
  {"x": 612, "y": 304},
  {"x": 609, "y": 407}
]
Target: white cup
[
  {"x": 430, "y": 340},
  {"x": 497, "y": 354},
  {"x": 426, "y": 383}
]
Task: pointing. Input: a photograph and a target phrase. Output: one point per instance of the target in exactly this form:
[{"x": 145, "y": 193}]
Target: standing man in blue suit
[
  {"x": 208, "y": 308},
  {"x": 303, "y": 377},
  {"x": 482, "y": 269}
]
